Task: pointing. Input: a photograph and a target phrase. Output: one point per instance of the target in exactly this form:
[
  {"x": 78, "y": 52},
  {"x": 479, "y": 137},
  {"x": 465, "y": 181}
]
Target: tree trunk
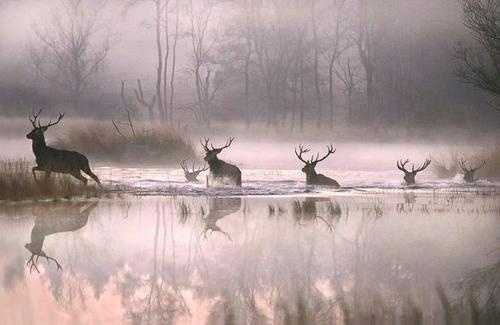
[{"x": 159, "y": 68}]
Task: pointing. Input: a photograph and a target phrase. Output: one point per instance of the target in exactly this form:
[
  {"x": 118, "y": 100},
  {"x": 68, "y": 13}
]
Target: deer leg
[
  {"x": 76, "y": 174},
  {"x": 87, "y": 171},
  {"x": 33, "y": 171},
  {"x": 47, "y": 175}
]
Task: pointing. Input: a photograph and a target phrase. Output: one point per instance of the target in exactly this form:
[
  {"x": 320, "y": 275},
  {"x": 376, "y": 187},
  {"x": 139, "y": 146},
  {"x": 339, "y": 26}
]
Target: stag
[
  {"x": 51, "y": 221},
  {"x": 312, "y": 178},
  {"x": 55, "y": 160},
  {"x": 220, "y": 171},
  {"x": 192, "y": 175},
  {"x": 410, "y": 175},
  {"x": 469, "y": 172}
]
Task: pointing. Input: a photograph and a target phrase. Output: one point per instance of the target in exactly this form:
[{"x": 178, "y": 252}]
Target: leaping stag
[
  {"x": 55, "y": 160},
  {"x": 469, "y": 172},
  {"x": 192, "y": 175},
  {"x": 220, "y": 171},
  {"x": 312, "y": 178},
  {"x": 410, "y": 175}
]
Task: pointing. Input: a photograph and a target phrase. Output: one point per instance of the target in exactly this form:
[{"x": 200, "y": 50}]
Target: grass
[
  {"x": 445, "y": 167},
  {"x": 17, "y": 183},
  {"x": 160, "y": 145}
]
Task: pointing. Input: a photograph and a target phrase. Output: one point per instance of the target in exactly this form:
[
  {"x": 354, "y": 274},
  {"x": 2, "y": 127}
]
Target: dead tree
[{"x": 72, "y": 49}]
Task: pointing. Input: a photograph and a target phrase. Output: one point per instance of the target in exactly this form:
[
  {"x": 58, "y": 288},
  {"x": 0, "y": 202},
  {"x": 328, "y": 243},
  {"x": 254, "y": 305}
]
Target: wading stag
[
  {"x": 312, "y": 178},
  {"x": 192, "y": 175},
  {"x": 469, "y": 172},
  {"x": 220, "y": 171},
  {"x": 55, "y": 160},
  {"x": 410, "y": 175}
]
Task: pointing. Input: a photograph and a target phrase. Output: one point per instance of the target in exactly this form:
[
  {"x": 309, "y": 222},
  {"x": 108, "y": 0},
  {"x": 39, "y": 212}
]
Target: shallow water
[
  {"x": 300, "y": 259},
  {"x": 274, "y": 251}
]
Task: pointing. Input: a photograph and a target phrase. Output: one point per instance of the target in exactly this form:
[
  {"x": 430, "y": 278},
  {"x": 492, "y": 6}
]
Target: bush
[
  {"x": 445, "y": 167},
  {"x": 161, "y": 145},
  {"x": 17, "y": 183}
]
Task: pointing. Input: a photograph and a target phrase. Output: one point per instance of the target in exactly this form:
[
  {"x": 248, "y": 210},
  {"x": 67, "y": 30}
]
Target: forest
[{"x": 319, "y": 63}]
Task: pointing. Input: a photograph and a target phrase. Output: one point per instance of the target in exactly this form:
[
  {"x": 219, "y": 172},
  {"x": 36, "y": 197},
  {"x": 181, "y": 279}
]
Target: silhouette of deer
[
  {"x": 220, "y": 171},
  {"x": 312, "y": 178},
  {"x": 469, "y": 172},
  {"x": 192, "y": 175},
  {"x": 51, "y": 221},
  {"x": 410, "y": 175},
  {"x": 55, "y": 160},
  {"x": 218, "y": 208}
]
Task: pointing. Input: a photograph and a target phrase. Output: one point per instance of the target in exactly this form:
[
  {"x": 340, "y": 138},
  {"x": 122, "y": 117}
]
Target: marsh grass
[
  {"x": 445, "y": 166},
  {"x": 17, "y": 183},
  {"x": 158, "y": 145}
]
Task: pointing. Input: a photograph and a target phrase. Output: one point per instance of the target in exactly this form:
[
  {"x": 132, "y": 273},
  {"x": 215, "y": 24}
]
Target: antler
[
  {"x": 61, "y": 115},
  {"x": 228, "y": 143},
  {"x": 424, "y": 166},
  {"x": 331, "y": 150},
  {"x": 302, "y": 150},
  {"x": 35, "y": 117},
  {"x": 185, "y": 168},
  {"x": 470, "y": 169},
  {"x": 35, "y": 262},
  {"x": 216, "y": 229},
  {"x": 401, "y": 165},
  {"x": 205, "y": 145}
]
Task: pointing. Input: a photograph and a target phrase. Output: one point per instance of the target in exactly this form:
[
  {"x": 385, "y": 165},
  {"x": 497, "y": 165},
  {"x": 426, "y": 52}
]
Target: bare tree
[
  {"x": 346, "y": 73},
  {"x": 335, "y": 52},
  {"x": 206, "y": 83},
  {"x": 174, "y": 60},
  {"x": 73, "y": 48},
  {"x": 481, "y": 66},
  {"x": 363, "y": 41}
]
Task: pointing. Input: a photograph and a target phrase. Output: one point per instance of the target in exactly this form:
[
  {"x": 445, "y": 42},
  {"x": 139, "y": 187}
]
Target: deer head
[
  {"x": 211, "y": 154},
  {"x": 410, "y": 175},
  {"x": 192, "y": 175},
  {"x": 38, "y": 128},
  {"x": 469, "y": 172},
  {"x": 310, "y": 165}
]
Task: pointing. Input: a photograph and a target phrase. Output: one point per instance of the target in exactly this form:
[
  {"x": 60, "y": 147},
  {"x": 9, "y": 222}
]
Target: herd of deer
[{"x": 51, "y": 160}]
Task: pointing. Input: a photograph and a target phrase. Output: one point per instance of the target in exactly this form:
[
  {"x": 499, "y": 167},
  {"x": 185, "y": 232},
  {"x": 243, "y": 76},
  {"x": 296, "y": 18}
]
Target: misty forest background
[{"x": 298, "y": 64}]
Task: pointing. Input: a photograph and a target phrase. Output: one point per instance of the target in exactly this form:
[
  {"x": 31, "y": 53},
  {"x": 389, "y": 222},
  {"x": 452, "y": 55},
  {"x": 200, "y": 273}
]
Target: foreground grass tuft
[
  {"x": 160, "y": 145},
  {"x": 17, "y": 183}
]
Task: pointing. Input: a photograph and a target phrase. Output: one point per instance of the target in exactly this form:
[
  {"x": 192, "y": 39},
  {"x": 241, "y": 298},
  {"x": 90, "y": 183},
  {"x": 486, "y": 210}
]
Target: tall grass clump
[
  {"x": 445, "y": 166},
  {"x": 17, "y": 183},
  {"x": 159, "y": 145}
]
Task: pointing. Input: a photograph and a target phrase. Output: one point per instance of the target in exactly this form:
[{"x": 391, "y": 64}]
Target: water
[
  {"x": 272, "y": 252},
  {"x": 193, "y": 260}
]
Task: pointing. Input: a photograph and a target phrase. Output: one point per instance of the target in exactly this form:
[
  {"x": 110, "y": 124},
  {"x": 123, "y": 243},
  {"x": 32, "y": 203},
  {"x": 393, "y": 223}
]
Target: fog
[{"x": 327, "y": 64}]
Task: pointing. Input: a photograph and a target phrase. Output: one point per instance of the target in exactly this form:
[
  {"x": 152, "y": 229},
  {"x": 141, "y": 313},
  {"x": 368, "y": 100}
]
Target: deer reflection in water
[
  {"x": 218, "y": 208},
  {"x": 308, "y": 210},
  {"x": 51, "y": 220}
]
